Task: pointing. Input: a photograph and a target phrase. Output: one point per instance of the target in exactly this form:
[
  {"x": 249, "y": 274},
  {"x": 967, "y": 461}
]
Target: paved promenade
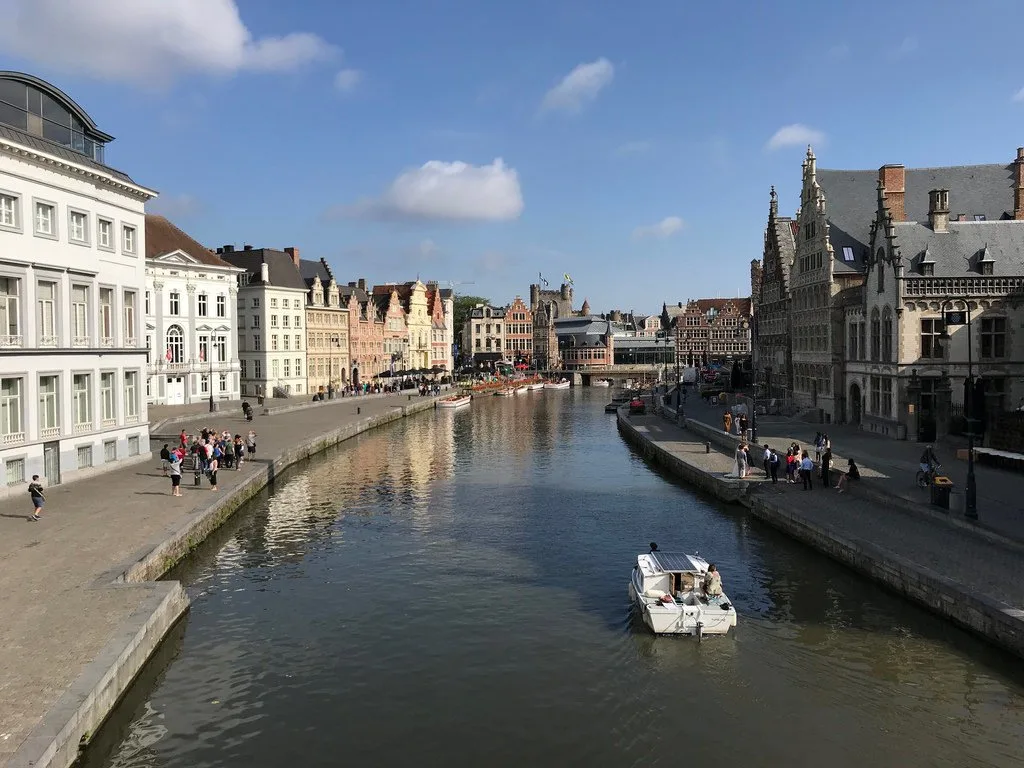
[
  {"x": 57, "y": 610},
  {"x": 894, "y": 464},
  {"x": 969, "y": 561}
]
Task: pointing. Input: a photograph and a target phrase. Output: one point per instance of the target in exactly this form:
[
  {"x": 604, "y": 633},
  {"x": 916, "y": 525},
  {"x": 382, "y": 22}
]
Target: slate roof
[
  {"x": 163, "y": 237},
  {"x": 743, "y": 305},
  {"x": 40, "y": 144},
  {"x": 589, "y": 329},
  {"x": 283, "y": 273},
  {"x": 851, "y": 200},
  {"x": 785, "y": 236},
  {"x": 956, "y": 253}
]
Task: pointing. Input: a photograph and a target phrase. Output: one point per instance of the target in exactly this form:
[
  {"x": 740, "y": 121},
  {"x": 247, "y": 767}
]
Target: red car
[{"x": 636, "y": 405}]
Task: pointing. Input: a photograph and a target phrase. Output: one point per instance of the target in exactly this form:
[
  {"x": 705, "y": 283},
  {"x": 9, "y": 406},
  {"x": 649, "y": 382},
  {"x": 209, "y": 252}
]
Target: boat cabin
[{"x": 670, "y": 572}]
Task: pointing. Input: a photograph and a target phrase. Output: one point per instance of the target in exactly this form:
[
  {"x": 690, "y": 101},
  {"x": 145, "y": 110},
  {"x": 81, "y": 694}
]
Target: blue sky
[{"x": 635, "y": 139}]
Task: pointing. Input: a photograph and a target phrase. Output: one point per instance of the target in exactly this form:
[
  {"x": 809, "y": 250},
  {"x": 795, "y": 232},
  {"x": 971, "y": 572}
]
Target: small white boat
[
  {"x": 535, "y": 386},
  {"x": 455, "y": 401},
  {"x": 600, "y": 383},
  {"x": 667, "y": 589},
  {"x": 522, "y": 390},
  {"x": 506, "y": 392},
  {"x": 561, "y": 384}
]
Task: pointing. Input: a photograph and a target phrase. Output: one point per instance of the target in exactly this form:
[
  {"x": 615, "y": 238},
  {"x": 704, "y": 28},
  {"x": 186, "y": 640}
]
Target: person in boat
[{"x": 712, "y": 584}]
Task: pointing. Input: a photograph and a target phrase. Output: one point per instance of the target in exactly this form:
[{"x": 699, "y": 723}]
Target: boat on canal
[
  {"x": 505, "y": 392},
  {"x": 666, "y": 588},
  {"x": 522, "y": 390},
  {"x": 612, "y": 407},
  {"x": 535, "y": 386},
  {"x": 455, "y": 401},
  {"x": 560, "y": 384},
  {"x": 600, "y": 383}
]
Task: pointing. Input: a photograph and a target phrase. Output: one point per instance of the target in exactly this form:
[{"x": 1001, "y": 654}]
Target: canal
[{"x": 451, "y": 590}]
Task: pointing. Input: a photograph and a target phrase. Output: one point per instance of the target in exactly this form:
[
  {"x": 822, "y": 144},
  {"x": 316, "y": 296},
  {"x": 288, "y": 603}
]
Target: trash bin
[{"x": 941, "y": 488}]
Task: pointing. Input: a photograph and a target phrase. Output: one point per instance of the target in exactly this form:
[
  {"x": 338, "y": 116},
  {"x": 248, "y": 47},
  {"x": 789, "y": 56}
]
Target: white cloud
[
  {"x": 347, "y": 80},
  {"x": 579, "y": 87},
  {"x": 1019, "y": 95},
  {"x": 667, "y": 227},
  {"x": 442, "y": 190},
  {"x": 148, "y": 41},
  {"x": 793, "y": 135},
  {"x": 175, "y": 206}
]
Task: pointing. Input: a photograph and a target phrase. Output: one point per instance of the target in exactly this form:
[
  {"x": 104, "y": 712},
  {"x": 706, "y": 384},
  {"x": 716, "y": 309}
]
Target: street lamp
[
  {"x": 745, "y": 325},
  {"x": 956, "y": 317}
]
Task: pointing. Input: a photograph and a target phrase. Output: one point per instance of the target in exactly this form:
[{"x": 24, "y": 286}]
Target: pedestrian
[
  {"x": 741, "y": 461},
  {"x": 183, "y": 439},
  {"x": 239, "y": 452},
  {"x": 35, "y": 490},
  {"x": 767, "y": 461},
  {"x": 806, "y": 469},
  {"x": 774, "y": 466},
  {"x": 852, "y": 474},
  {"x": 250, "y": 445},
  {"x": 743, "y": 426},
  {"x": 165, "y": 459},
  {"x": 790, "y": 466},
  {"x": 826, "y": 465},
  {"x": 727, "y": 421},
  {"x": 212, "y": 473},
  {"x": 175, "y": 470},
  {"x": 819, "y": 446}
]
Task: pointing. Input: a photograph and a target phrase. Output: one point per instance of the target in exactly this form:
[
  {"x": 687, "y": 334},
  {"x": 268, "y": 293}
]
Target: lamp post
[
  {"x": 956, "y": 317},
  {"x": 745, "y": 325}
]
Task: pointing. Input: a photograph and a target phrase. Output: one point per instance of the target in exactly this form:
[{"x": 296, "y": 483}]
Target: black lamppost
[
  {"x": 956, "y": 317},
  {"x": 745, "y": 325},
  {"x": 213, "y": 406}
]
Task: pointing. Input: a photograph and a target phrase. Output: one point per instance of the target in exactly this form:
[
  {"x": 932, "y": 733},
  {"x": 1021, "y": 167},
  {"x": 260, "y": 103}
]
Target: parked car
[{"x": 637, "y": 406}]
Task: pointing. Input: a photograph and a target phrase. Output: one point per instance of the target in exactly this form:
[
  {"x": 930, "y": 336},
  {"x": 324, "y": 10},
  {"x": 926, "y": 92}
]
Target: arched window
[
  {"x": 876, "y": 335},
  {"x": 887, "y": 335},
  {"x": 175, "y": 345}
]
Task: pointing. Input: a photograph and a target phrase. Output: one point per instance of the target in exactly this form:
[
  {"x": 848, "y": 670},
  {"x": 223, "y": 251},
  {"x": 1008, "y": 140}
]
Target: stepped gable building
[
  {"x": 710, "y": 330},
  {"x": 272, "y": 302},
  {"x": 327, "y": 351},
  {"x": 770, "y": 285},
  {"x": 519, "y": 332},
  {"x": 388, "y": 305},
  {"x": 441, "y": 308},
  {"x": 72, "y": 276},
  {"x": 937, "y": 238},
  {"x": 365, "y": 333},
  {"x": 192, "y": 322},
  {"x": 546, "y": 306}
]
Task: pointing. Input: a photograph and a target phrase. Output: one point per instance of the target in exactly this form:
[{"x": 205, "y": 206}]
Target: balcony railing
[
  {"x": 107, "y": 341},
  {"x": 13, "y": 438},
  {"x": 108, "y": 422},
  {"x": 131, "y": 419},
  {"x": 81, "y": 429},
  {"x": 48, "y": 433},
  {"x": 80, "y": 341},
  {"x": 8, "y": 340},
  {"x": 131, "y": 341},
  {"x": 48, "y": 341}
]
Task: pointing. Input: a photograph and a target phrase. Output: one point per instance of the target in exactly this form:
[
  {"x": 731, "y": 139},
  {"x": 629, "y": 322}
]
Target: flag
[
  {"x": 567, "y": 278},
  {"x": 169, "y": 356},
  {"x": 542, "y": 280}
]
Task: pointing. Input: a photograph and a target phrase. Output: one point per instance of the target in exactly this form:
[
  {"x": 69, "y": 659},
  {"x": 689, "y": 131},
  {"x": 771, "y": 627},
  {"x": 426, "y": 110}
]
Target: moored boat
[
  {"x": 522, "y": 390},
  {"x": 505, "y": 392},
  {"x": 560, "y": 384},
  {"x": 600, "y": 383},
  {"x": 676, "y": 595},
  {"x": 455, "y": 401},
  {"x": 535, "y": 385},
  {"x": 612, "y": 407}
]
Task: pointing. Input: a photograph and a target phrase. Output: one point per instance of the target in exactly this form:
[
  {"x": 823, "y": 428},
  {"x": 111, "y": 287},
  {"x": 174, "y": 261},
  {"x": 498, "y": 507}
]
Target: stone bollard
[
  {"x": 359, "y": 410},
  {"x": 707, "y": 447},
  {"x": 410, "y": 398}
]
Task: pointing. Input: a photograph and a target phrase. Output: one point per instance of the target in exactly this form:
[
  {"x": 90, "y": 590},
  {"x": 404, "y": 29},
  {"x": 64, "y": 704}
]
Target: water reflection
[{"x": 459, "y": 579}]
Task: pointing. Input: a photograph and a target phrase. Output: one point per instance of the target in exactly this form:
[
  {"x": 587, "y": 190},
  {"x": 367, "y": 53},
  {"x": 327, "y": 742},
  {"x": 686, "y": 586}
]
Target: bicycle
[{"x": 924, "y": 479}]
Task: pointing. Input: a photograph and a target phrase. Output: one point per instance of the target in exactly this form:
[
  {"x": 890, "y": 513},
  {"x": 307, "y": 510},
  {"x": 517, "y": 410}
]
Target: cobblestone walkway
[{"x": 56, "y": 612}]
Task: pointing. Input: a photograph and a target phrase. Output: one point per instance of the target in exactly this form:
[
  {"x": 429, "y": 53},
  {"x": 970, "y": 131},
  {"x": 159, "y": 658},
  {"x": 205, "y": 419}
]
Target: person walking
[
  {"x": 826, "y": 465},
  {"x": 35, "y": 490},
  {"x": 773, "y": 465},
  {"x": 741, "y": 461},
  {"x": 165, "y": 459},
  {"x": 727, "y": 421},
  {"x": 743, "y": 426},
  {"x": 175, "y": 472},
  {"x": 250, "y": 445},
  {"x": 806, "y": 470},
  {"x": 212, "y": 473},
  {"x": 767, "y": 463},
  {"x": 819, "y": 446}
]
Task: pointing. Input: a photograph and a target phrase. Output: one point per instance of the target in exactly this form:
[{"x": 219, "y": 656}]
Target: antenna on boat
[{"x": 654, "y": 546}]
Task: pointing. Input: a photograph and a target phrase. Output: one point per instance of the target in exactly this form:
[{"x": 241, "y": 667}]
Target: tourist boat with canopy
[
  {"x": 560, "y": 384},
  {"x": 454, "y": 401},
  {"x": 668, "y": 590}
]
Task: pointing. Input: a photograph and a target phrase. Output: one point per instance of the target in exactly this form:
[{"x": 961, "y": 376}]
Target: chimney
[
  {"x": 1018, "y": 191},
  {"x": 265, "y": 273},
  {"x": 351, "y": 283},
  {"x": 893, "y": 179},
  {"x": 680, "y": 305},
  {"x": 938, "y": 210},
  {"x": 229, "y": 249},
  {"x": 247, "y": 247},
  {"x": 361, "y": 283},
  {"x": 293, "y": 252},
  {"x": 220, "y": 251}
]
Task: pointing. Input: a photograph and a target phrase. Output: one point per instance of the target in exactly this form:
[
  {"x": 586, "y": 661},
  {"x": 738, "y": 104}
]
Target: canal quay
[{"x": 451, "y": 589}]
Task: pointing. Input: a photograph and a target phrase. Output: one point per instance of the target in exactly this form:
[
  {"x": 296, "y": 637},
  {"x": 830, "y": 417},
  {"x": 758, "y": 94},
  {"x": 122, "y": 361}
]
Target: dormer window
[
  {"x": 985, "y": 263},
  {"x": 979, "y": 217},
  {"x": 927, "y": 264}
]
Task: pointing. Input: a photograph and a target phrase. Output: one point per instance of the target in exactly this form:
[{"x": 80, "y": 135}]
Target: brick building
[
  {"x": 519, "y": 332},
  {"x": 710, "y": 330}
]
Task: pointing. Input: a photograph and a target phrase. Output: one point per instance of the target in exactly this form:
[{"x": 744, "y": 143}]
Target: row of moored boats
[{"x": 457, "y": 401}]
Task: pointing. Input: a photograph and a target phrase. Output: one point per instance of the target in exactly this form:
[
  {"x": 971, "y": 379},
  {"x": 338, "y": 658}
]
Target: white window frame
[
  {"x": 131, "y": 395},
  {"x": 80, "y": 333},
  {"x": 54, "y": 232},
  {"x": 129, "y": 239},
  {"x": 10, "y": 214},
  {"x": 222, "y": 305},
  {"x": 46, "y": 313},
  {"x": 203, "y": 305},
  {"x": 128, "y": 312},
  {"x": 109, "y": 244},
  {"x": 81, "y": 400},
  {"x": 12, "y": 410},
  {"x": 106, "y": 319},
  {"x": 10, "y": 314},
  {"x": 72, "y": 235},
  {"x": 174, "y": 303},
  {"x": 108, "y": 403},
  {"x": 49, "y": 405}
]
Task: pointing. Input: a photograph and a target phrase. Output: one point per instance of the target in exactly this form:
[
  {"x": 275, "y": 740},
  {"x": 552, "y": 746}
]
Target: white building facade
[
  {"x": 271, "y": 307},
  {"x": 72, "y": 280},
  {"x": 191, "y": 319}
]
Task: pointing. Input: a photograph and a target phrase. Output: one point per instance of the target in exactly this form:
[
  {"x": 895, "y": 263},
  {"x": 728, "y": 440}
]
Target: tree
[{"x": 463, "y": 304}]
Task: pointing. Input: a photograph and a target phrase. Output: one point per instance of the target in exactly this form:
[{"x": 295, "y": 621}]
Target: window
[
  {"x": 287, "y": 367},
  {"x": 175, "y": 345},
  {"x": 147, "y": 302},
  {"x": 10, "y": 217},
  {"x": 255, "y": 342},
  {"x": 298, "y": 342},
  {"x": 887, "y": 335},
  {"x": 931, "y": 327},
  {"x": 887, "y": 397},
  {"x": 220, "y": 349},
  {"x": 107, "y": 397},
  {"x": 81, "y": 402},
  {"x": 876, "y": 394},
  {"x": 84, "y": 456},
  {"x": 287, "y": 342},
  {"x": 853, "y": 341},
  {"x": 245, "y": 369},
  {"x": 133, "y": 445},
  {"x": 128, "y": 239},
  {"x": 105, "y": 234},
  {"x": 880, "y": 267},
  {"x": 49, "y": 413},
  {"x": 80, "y": 315},
  {"x": 223, "y": 382},
  {"x": 298, "y": 366},
  {"x": 129, "y": 319},
  {"x": 46, "y": 219},
  {"x": 273, "y": 321},
  {"x": 847, "y": 253},
  {"x": 862, "y": 343},
  {"x": 985, "y": 267},
  {"x": 255, "y": 321},
  {"x": 273, "y": 303},
  {"x": 222, "y": 306},
  {"x": 204, "y": 348},
  {"x": 298, "y": 321},
  {"x": 979, "y": 217},
  {"x": 204, "y": 384},
  {"x": 257, "y": 369},
  {"x": 274, "y": 369},
  {"x": 109, "y": 450},
  {"x": 11, "y": 425},
  {"x": 993, "y": 337},
  {"x": 15, "y": 471},
  {"x": 203, "y": 305},
  {"x": 10, "y": 324},
  {"x": 273, "y": 342},
  {"x": 175, "y": 303},
  {"x": 927, "y": 268},
  {"x": 78, "y": 229},
  {"x": 106, "y": 316},
  {"x": 876, "y": 336},
  {"x": 255, "y": 303}
]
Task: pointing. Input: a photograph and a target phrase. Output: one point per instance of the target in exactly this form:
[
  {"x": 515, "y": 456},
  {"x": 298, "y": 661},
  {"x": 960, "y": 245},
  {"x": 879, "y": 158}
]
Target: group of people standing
[
  {"x": 797, "y": 462},
  {"x": 211, "y": 451}
]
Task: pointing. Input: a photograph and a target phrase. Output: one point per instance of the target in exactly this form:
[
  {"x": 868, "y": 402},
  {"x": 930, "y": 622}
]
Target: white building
[
  {"x": 271, "y": 325},
  {"x": 72, "y": 245},
  {"x": 484, "y": 335},
  {"x": 191, "y": 319}
]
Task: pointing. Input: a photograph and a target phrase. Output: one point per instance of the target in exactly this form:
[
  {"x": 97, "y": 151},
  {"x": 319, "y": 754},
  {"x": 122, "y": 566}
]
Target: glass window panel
[
  {"x": 58, "y": 133},
  {"x": 13, "y": 93},
  {"x": 56, "y": 112},
  {"x": 35, "y": 105},
  {"x": 13, "y": 116}
]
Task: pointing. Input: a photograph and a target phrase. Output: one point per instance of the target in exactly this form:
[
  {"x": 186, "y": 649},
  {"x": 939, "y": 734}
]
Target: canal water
[{"x": 451, "y": 590}]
